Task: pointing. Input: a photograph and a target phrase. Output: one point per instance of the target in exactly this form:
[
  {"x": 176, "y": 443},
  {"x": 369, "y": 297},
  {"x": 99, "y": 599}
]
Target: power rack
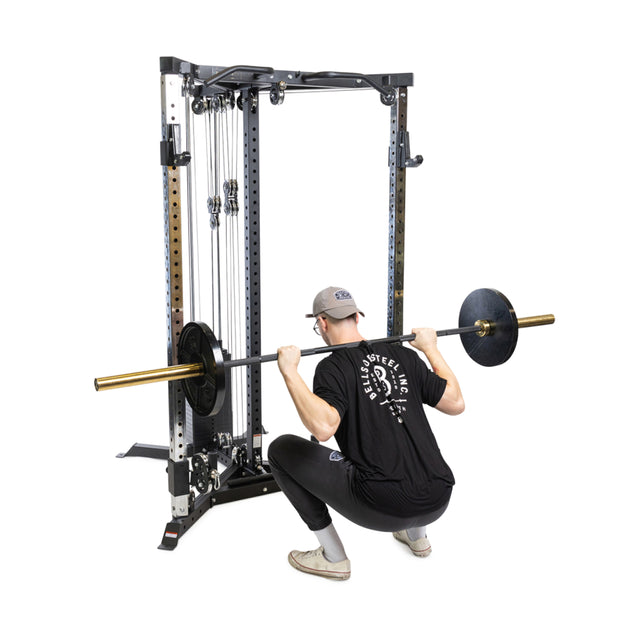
[{"x": 209, "y": 102}]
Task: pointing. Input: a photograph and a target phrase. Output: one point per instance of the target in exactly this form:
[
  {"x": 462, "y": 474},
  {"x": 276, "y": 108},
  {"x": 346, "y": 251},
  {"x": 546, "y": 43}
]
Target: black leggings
[{"x": 313, "y": 476}]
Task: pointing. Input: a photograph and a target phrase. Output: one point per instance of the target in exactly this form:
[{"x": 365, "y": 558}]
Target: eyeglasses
[{"x": 316, "y": 328}]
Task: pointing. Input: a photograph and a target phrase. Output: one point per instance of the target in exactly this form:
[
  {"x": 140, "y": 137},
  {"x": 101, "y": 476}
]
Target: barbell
[{"x": 487, "y": 326}]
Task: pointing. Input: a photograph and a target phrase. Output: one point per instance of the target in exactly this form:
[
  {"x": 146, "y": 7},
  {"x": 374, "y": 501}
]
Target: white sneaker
[
  {"x": 314, "y": 562},
  {"x": 420, "y": 547}
]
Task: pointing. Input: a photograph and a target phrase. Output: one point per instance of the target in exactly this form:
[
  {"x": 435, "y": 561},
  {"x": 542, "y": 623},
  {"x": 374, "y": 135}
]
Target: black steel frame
[{"x": 249, "y": 476}]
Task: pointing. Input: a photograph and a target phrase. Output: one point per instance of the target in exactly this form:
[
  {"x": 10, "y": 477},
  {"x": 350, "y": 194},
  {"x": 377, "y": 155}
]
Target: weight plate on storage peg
[
  {"x": 198, "y": 345},
  {"x": 497, "y": 347}
]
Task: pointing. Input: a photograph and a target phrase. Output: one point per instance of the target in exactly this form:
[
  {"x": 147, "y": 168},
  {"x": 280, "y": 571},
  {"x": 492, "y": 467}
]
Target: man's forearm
[
  {"x": 438, "y": 363},
  {"x": 452, "y": 401},
  {"x": 319, "y": 417}
]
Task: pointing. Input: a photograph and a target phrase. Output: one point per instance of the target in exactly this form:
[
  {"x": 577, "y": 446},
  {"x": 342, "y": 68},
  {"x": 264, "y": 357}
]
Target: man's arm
[
  {"x": 318, "y": 416},
  {"x": 452, "y": 402}
]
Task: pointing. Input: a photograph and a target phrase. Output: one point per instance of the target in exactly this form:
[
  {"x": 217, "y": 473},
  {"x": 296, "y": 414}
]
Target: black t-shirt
[{"x": 379, "y": 390}]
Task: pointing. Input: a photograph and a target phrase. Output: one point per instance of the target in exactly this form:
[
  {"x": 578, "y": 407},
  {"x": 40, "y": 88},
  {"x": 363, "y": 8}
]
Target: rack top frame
[{"x": 210, "y": 80}]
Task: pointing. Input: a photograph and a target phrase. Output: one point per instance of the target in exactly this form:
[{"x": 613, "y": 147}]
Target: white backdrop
[{"x": 527, "y": 117}]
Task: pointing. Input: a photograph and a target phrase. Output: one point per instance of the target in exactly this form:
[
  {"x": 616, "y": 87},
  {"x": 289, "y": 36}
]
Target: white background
[{"x": 527, "y": 116}]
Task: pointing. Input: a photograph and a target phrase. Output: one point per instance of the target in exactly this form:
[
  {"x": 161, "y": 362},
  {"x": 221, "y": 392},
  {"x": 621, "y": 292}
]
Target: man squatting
[{"x": 389, "y": 474}]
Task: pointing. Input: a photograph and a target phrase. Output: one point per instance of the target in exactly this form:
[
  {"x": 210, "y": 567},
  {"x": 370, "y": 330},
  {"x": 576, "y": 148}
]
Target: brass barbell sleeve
[
  {"x": 536, "y": 321},
  {"x": 486, "y": 327},
  {"x": 175, "y": 372}
]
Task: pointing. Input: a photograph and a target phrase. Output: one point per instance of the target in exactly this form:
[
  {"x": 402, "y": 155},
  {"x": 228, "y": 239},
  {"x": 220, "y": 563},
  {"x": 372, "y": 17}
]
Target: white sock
[
  {"x": 330, "y": 541},
  {"x": 416, "y": 533}
]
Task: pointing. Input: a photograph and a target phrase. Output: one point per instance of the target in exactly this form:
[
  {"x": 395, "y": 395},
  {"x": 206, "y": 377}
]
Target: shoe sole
[
  {"x": 331, "y": 575},
  {"x": 420, "y": 553}
]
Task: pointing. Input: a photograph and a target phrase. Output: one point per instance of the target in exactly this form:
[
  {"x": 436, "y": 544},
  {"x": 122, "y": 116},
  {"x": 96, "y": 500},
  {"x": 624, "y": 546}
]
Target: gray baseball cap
[{"x": 336, "y": 302}]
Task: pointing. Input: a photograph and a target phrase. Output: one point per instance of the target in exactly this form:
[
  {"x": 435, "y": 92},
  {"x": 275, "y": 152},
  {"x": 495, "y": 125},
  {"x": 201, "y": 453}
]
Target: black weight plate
[
  {"x": 489, "y": 304},
  {"x": 198, "y": 344}
]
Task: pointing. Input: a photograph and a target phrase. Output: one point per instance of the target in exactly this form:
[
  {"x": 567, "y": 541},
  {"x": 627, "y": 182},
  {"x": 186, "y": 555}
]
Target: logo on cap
[{"x": 343, "y": 294}]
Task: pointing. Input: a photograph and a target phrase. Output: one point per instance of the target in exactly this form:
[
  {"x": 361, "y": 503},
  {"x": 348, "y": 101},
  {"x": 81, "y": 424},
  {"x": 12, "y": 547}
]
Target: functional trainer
[{"x": 210, "y": 119}]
